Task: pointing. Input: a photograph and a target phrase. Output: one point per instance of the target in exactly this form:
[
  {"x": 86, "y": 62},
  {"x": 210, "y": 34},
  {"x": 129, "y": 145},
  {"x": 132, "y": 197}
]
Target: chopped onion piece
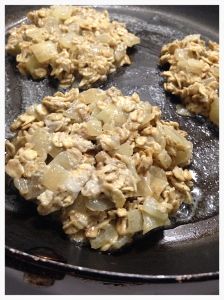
[
  {"x": 66, "y": 40},
  {"x": 191, "y": 65},
  {"x": 150, "y": 222},
  {"x": 99, "y": 204},
  {"x": 119, "y": 117},
  {"x": 54, "y": 177},
  {"x": 120, "y": 52},
  {"x": 54, "y": 151},
  {"x": 37, "y": 34},
  {"x": 52, "y": 25},
  {"x": 65, "y": 160},
  {"x": 134, "y": 221},
  {"x": 22, "y": 185},
  {"x": 74, "y": 27},
  {"x": 94, "y": 127},
  {"x": 143, "y": 188},
  {"x": 108, "y": 235},
  {"x": 125, "y": 149},
  {"x": 164, "y": 159},
  {"x": 107, "y": 114},
  {"x": 214, "y": 112},
  {"x": 122, "y": 241},
  {"x": 108, "y": 127},
  {"x": 183, "y": 111},
  {"x": 32, "y": 64},
  {"x": 181, "y": 54},
  {"x": 104, "y": 116},
  {"x": 181, "y": 143},
  {"x": 104, "y": 38},
  {"x": 132, "y": 40},
  {"x": 215, "y": 70},
  {"x": 61, "y": 12},
  {"x": 157, "y": 180},
  {"x": 73, "y": 114},
  {"x": 44, "y": 51},
  {"x": 151, "y": 206},
  {"x": 29, "y": 188},
  {"x": 41, "y": 141},
  {"x": 92, "y": 95}
]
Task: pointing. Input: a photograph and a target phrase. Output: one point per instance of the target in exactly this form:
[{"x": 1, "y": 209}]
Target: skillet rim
[{"x": 90, "y": 273}]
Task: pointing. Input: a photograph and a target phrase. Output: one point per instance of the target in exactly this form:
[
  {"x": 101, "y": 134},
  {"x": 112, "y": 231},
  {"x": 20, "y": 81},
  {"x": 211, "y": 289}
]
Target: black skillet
[{"x": 187, "y": 252}]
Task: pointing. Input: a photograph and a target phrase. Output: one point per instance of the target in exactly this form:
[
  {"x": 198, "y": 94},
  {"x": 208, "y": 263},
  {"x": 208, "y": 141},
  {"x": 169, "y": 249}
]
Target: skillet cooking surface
[{"x": 187, "y": 252}]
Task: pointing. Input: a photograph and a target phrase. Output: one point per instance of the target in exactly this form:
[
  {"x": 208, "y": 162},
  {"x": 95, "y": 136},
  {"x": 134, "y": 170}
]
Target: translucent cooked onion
[
  {"x": 52, "y": 25},
  {"x": 92, "y": 95},
  {"x": 134, "y": 221},
  {"x": 158, "y": 137},
  {"x": 74, "y": 27},
  {"x": 152, "y": 207},
  {"x": 148, "y": 114},
  {"x": 120, "y": 52},
  {"x": 195, "y": 66},
  {"x": 132, "y": 40},
  {"x": 61, "y": 12},
  {"x": 41, "y": 141},
  {"x": 119, "y": 117},
  {"x": 157, "y": 180},
  {"x": 32, "y": 64},
  {"x": 192, "y": 37},
  {"x": 54, "y": 151},
  {"x": 183, "y": 111},
  {"x": 181, "y": 54},
  {"x": 66, "y": 40},
  {"x": 214, "y": 111},
  {"x": 104, "y": 38},
  {"x": 106, "y": 115},
  {"x": 215, "y": 70},
  {"x": 65, "y": 160},
  {"x": 36, "y": 34},
  {"x": 93, "y": 127},
  {"x": 191, "y": 65},
  {"x": 108, "y": 127},
  {"x": 100, "y": 204},
  {"x": 73, "y": 114},
  {"x": 95, "y": 49},
  {"x": 112, "y": 114},
  {"x": 122, "y": 241},
  {"x": 125, "y": 149},
  {"x": 150, "y": 222},
  {"x": 164, "y": 159},
  {"x": 29, "y": 188},
  {"x": 184, "y": 147},
  {"x": 44, "y": 51},
  {"x": 54, "y": 177},
  {"x": 108, "y": 235},
  {"x": 22, "y": 185},
  {"x": 143, "y": 188}
]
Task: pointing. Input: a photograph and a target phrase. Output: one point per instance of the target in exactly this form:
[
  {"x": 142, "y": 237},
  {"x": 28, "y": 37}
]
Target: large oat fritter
[
  {"x": 105, "y": 161},
  {"x": 70, "y": 43}
]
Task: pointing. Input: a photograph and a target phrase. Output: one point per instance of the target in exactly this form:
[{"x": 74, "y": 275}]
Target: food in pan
[
  {"x": 70, "y": 43},
  {"x": 106, "y": 162},
  {"x": 193, "y": 74}
]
